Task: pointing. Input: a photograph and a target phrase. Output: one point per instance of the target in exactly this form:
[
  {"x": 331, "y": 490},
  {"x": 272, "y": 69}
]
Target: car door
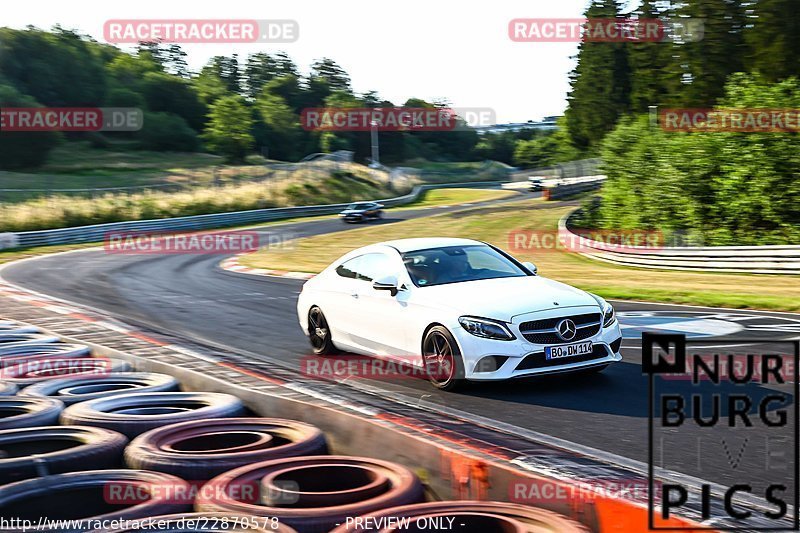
[
  {"x": 341, "y": 307},
  {"x": 381, "y": 315}
]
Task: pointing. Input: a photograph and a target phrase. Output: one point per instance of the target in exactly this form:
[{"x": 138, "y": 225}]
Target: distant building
[{"x": 547, "y": 123}]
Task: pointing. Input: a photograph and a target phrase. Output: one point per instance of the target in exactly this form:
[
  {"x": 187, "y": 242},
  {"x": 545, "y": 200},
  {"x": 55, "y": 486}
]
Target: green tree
[
  {"x": 23, "y": 149},
  {"x": 168, "y": 93},
  {"x": 600, "y": 84},
  {"x": 649, "y": 65},
  {"x": 774, "y": 39},
  {"x": 209, "y": 86},
  {"x": 55, "y": 68},
  {"x": 704, "y": 64},
  {"x": 166, "y": 132},
  {"x": 229, "y": 129},
  {"x": 259, "y": 69},
  {"x": 334, "y": 76},
  {"x": 278, "y": 128},
  {"x": 226, "y": 69},
  {"x": 127, "y": 71}
]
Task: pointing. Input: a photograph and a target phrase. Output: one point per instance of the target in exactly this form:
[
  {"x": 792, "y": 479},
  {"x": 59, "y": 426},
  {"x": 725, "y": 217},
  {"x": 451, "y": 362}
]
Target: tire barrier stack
[
  {"x": 82, "y": 388},
  {"x": 205, "y": 449},
  {"x": 313, "y": 494},
  {"x": 101, "y": 442}
]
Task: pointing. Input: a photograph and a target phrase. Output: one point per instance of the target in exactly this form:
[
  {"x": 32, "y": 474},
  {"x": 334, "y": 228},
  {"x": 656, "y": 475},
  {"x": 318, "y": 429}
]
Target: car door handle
[{"x": 354, "y": 295}]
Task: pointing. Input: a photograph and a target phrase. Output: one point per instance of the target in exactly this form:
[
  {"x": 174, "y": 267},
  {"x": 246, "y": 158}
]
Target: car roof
[{"x": 423, "y": 243}]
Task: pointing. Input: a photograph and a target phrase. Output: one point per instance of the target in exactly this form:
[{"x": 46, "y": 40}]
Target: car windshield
[
  {"x": 454, "y": 264},
  {"x": 357, "y": 206}
]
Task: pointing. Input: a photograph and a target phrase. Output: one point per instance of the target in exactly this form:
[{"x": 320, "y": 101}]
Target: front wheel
[
  {"x": 442, "y": 359},
  {"x": 319, "y": 332}
]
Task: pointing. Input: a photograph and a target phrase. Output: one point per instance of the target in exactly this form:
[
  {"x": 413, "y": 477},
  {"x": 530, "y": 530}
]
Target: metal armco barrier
[
  {"x": 98, "y": 232},
  {"x": 557, "y": 189},
  {"x": 743, "y": 259},
  {"x": 8, "y": 240}
]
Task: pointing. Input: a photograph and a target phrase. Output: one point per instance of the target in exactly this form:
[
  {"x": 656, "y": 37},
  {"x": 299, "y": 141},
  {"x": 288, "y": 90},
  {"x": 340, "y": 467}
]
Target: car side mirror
[
  {"x": 386, "y": 283},
  {"x": 530, "y": 266}
]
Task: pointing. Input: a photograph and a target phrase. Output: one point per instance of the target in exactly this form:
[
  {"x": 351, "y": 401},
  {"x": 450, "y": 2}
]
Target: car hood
[{"x": 505, "y": 298}]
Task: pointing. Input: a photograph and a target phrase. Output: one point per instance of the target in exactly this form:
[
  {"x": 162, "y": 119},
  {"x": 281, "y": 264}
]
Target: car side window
[
  {"x": 375, "y": 266},
  {"x": 349, "y": 269}
]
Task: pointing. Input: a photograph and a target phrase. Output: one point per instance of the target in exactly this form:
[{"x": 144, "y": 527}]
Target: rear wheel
[
  {"x": 442, "y": 359},
  {"x": 319, "y": 333}
]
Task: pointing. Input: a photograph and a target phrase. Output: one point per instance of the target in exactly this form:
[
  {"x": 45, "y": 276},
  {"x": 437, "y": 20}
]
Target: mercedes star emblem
[{"x": 566, "y": 329}]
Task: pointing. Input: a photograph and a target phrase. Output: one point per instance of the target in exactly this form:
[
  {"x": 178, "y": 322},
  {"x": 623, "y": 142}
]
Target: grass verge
[{"x": 780, "y": 293}]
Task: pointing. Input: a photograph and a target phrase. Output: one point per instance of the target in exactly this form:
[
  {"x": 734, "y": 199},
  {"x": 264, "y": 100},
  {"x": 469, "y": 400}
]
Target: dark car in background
[{"x": 362, "y": 211}]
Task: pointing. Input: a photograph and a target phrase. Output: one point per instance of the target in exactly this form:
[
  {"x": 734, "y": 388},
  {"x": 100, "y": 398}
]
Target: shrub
[
  {"x": 23, "y": 149},
  {"x": 166, "y": 132}
]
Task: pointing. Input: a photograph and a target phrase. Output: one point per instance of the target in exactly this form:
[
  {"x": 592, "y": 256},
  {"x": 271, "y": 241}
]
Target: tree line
[
  {"x": 233, "y": 106},
  {"x": 712, "y": 188}
]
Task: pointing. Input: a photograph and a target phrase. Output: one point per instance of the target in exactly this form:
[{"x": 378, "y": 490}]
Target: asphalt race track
[{"x": 189, "y": 296}]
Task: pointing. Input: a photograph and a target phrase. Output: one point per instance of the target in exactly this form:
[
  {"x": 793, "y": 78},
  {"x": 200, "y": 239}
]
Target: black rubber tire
[
  {"x": 7, "y": 388},
  {"x": 14, "y": 354},
  {"x": 398, "y": 486},
  {"x": 209, "y": 523},
  {"x": 94, "y": 495},
  {"x": 26, "y": 338},
  {"x": 191, "y": 450},
  {"x": 26, "y": 374},
  {"x": 18, "y": 412},
  {"x": 124, "y": 413},
  {"x": 41, "y": 451},
  {"x": 11, "y": 326},
  {"x": 68, "y": 389},
  {"x": 320, "y": 344},
  {"x": 447, "y": 373}
]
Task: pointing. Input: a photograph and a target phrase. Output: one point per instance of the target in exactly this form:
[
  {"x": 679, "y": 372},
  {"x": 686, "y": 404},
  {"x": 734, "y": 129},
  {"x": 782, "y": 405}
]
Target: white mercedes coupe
[{"x": 459, "y": 309}]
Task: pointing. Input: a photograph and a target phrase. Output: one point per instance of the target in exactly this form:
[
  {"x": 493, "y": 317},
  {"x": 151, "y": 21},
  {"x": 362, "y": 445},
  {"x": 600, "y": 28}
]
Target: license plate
[{"x": 568, "y": 350}]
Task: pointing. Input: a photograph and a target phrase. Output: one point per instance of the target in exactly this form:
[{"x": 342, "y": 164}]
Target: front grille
[
  {"x": 587, "y": 324},
  {"x": 537, "y": 359}
]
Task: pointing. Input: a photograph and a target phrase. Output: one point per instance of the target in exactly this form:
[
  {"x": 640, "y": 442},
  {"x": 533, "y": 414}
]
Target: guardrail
[
  {"x": 570, "y": 169},
  {"x": 97, "y": 232},
  {"x": 741, "y": 259},
  {"x": 562, "y": 188}
]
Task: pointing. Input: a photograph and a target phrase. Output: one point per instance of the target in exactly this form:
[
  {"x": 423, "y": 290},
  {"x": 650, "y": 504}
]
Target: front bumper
[{"x": 489, "y": 360}]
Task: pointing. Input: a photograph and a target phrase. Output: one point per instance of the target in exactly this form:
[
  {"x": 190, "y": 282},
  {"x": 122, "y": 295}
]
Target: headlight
[
  {"x": 608, "y": 315},
  {"x": 488, "y": 329}
]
